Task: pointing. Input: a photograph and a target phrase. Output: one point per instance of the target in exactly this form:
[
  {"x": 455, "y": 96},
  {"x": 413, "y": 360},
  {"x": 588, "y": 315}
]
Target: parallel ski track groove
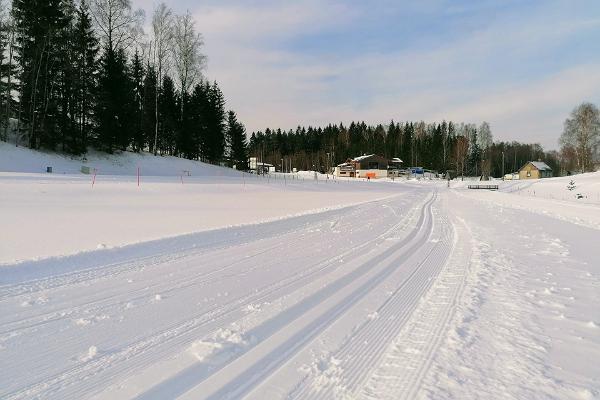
[
  {"x": 41, "y": 319},
  {"x": 252, "y": 376},
  {"x": 169, "y": 334},
  {"x": 393, "y": 314},
  {"x": 429, "y": 326}
]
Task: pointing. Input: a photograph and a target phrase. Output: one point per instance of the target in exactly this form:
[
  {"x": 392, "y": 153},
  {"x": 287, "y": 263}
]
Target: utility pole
[{"x": 503, "y": 165}]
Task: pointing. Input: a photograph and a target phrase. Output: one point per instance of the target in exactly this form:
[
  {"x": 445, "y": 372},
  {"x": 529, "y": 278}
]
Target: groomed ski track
[{"x": 347, "y": 303}]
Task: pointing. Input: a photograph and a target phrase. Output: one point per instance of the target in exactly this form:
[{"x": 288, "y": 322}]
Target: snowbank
[{"x": 22, "y": 159}]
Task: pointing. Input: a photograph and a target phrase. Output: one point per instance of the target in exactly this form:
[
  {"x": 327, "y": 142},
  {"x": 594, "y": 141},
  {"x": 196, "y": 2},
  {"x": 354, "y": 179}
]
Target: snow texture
[{"x": 233, "y": 286}]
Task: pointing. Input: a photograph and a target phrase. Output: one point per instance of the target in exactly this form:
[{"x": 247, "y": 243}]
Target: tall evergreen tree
[
  {"x": 196, "y": 121},
  {"x": 137, "y": 76},
  {"x": 115, "y": 102},
  {"x": 215, "y": 143},
  {"x": 149, "y": 107},
  {"x": 85, "y": 51},
  {"x": 169, "y": 116},
  {"x": 238, "y": 151},
  {"x": 40, "y": 27},
  {"x": 7, "y": 69}
]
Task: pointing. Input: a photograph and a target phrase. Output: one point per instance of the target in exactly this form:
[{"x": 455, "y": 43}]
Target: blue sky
[{"x": 520, "y": 65}]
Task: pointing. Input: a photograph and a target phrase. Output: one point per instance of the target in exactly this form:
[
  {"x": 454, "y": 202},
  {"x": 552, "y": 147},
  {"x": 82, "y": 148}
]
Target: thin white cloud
[{"x": 478, "y": 76}]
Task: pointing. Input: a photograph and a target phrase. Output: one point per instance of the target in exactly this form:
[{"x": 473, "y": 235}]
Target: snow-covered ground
[{"x": 235, "y": 286}]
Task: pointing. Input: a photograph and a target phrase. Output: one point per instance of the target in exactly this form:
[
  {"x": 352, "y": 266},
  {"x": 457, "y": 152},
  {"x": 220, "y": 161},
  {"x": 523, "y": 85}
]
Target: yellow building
[{"x": 535, "y": 170}]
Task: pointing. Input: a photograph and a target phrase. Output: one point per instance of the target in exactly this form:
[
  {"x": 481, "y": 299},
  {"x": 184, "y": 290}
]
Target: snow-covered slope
[
  {"x": 21, "y": 159},
  {"x": 585, "y": 188}
]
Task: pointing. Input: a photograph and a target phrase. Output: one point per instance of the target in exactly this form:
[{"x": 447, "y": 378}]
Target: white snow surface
[{"x": 231, "y": 286}]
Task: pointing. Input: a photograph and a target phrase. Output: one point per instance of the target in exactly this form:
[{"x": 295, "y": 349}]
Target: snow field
[
  {"x": 230, "y": 286},
  {"x": 49, "y": 216},
  {"x": 536, "y": 280},
  {"x": 122, "y": 297}
]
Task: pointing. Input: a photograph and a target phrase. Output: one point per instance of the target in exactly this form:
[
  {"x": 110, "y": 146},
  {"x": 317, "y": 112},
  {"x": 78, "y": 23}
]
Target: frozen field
[{"x": 225, "y": 286}]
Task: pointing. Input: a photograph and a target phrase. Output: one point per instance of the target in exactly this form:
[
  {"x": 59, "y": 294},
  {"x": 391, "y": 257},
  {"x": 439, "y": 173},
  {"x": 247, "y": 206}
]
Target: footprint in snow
[{"x": 592, "y": 324}]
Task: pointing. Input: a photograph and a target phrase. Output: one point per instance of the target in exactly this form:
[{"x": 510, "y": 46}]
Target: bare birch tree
[
  {"x": 6, "y": 46},
  {"x": 162, "y": 30},
  {"x": 117, "y": 24},
  {"x": 582, "y": 134},
  {"x": 187, "y": 57},
  {"x": 485, "y": 139}
]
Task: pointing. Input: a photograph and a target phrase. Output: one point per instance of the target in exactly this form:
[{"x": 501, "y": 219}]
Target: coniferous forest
[
  {"x": 76, "y": 74},
  {"x": 466, "y": 149}
]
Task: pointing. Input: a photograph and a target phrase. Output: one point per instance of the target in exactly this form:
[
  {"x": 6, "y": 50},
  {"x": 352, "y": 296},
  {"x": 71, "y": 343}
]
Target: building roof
[
  {"x": 396, "y": 160},
  {"x": 360, "y": 158},
  {"x": 540, "y": 165}
]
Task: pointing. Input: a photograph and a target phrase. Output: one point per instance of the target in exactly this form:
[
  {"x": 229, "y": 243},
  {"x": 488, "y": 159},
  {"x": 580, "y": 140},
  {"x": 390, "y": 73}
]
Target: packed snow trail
[
  {"x": 304, "y": 322},
  {"x": 422, "y": 292},
  {"x": 211, "y": 303}
]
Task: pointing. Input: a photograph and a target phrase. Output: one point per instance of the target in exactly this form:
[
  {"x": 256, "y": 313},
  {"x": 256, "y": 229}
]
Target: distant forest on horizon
[{"x": 463, "y": 148}]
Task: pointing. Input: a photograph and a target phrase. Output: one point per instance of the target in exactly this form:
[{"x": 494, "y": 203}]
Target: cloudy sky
[{"x": 520, "y": 65}]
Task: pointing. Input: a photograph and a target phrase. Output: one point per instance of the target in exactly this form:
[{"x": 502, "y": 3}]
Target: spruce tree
[
  {"x": 149, "y": 107},
  {"x": 169, "y": 116},
  {"x": 196, "y": 121},
  {"x": 215, "y": 143},
  {"x": 85, "y": 51},
  {"x": 40, "y": 42},
  {"x": 236, "y": 133},
  {"x": 137, "y": 76},
  {"x": 115, "y": 102}
]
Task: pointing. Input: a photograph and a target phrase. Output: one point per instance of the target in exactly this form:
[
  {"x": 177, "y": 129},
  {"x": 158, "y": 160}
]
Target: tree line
[
  {"x": 75, "y": 74},
  {"x": 580, "y": 140},
  {"x": 463, "y": 149}
]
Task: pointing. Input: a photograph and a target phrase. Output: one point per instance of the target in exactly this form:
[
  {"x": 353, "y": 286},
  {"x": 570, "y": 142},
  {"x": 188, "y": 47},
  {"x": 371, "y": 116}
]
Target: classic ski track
[
  {"x": 364, "y": 349},
  {"x": 141, "y": 263},
  {"x": 240, "y": 383},
  {"x": 168, "y": 335},
  {"x": 425, "y": 331},
  {"x": 99, "y": 305},
  {"x": 117, "y": 299},
  {"x": 137, "y": 263}
]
